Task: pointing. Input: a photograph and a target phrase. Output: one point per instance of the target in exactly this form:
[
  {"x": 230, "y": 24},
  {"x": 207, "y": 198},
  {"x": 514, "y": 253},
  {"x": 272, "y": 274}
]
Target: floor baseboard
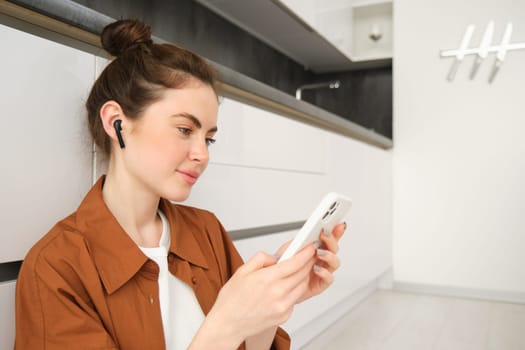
[{"x": 460, "y": 292}]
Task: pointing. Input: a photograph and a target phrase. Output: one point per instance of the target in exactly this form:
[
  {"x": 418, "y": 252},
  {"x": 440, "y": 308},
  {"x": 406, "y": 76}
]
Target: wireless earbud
[{"x": 117, "y": 124}]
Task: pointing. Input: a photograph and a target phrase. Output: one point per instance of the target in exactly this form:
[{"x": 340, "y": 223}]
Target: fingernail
[
  {"x": 325, "y": 233},
  {"x": 317, "y": 268},
  {"x": 277, "y": 256},
  {"x": 321, "y": 252}
]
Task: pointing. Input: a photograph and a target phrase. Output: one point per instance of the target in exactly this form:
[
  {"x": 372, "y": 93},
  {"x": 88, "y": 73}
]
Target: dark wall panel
[
  {"x": 9, "y": 270},
  {"x": 364, "y": 97}
]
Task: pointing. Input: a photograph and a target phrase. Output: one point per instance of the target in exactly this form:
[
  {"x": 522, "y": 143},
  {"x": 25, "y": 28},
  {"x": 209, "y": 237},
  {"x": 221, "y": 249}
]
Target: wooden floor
[{"x": 389, "y": 320}]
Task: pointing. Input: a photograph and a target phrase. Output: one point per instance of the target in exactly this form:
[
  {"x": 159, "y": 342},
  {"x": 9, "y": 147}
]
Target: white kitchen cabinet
[
  {"x": 264, "y": 169},
  {"x": 348, "y": 25},
  {"x": 101, "y": 161},
  {"x": 253, "y": 137},
  {"x": 7, "y": 315},
  {"x": 45, "y": 147},
  {"x": 372, "y": 31}
]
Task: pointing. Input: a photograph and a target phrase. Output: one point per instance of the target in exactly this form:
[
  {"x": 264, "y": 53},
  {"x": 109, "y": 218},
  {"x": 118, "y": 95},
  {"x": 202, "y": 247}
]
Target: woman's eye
[
  {"x": 210, "y": 141},
  {"x": 185, "y": 131}
]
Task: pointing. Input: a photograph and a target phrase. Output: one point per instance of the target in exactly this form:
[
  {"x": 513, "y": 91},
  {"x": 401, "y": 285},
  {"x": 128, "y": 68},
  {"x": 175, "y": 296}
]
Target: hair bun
[{"x": 119, "y": 36}]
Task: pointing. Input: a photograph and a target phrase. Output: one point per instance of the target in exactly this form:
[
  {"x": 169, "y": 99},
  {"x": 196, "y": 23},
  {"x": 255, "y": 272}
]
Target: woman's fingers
[
  {"x": 302, "y": 285},
  {"x": 257, "y": 262},
  {"x": 331, "y": 241},
  {"x": 295, "y": 263},
  {"x": 325, "y": 275},
  {"x": 282, "y": 248},
  {"x": 330, "y": 260},
  {"x": 294, "y": 271},
  {"x": 339, "y": 230}
]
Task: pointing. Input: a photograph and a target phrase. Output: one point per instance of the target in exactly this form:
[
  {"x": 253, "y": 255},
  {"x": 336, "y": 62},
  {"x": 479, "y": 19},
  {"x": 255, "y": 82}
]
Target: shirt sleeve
[
  {"x": 51, "y": 314},
  {"x": 282, "y": 339}
]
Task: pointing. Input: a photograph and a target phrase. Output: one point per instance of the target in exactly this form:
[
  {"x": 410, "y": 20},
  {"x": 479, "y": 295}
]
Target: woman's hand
[
  {"x": 261, "y": 294},
  {"x": 321, "y": 276},
  {"x": 258, "y": 297}
]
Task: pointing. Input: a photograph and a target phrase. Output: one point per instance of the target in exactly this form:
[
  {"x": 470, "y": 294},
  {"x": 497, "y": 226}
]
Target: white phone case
[{"x": 331, "y": 211}]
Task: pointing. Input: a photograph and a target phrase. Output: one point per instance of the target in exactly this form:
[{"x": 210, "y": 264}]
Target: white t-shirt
[{"x": 181, "y": 313}]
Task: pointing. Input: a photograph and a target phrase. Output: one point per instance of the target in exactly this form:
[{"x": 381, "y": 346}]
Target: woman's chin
[{"x": 177, "y": 196}]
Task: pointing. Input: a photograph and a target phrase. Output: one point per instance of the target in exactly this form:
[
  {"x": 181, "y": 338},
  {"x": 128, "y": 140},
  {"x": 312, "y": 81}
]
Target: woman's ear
[{"x": 110, "y": 112}]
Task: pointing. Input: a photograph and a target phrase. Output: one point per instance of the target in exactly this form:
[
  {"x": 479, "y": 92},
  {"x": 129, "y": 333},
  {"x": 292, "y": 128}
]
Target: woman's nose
[{"x": 199, "y": 151}]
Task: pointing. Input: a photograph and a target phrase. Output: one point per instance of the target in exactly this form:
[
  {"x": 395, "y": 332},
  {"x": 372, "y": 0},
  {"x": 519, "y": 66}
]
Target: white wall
[{"x": 459, "y": 154}]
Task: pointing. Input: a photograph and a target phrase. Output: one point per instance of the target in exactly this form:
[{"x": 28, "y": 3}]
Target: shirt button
[
  {"x": 194, "y": 280},
  {"x": 151, "y": 299}
]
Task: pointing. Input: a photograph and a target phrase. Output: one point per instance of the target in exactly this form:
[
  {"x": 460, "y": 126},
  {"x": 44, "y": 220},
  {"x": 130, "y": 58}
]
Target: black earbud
[{"x": 117, "y": 124}]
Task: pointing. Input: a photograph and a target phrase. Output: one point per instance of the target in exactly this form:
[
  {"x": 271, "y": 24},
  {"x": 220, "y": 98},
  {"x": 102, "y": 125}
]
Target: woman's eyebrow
[{"x": 195, "y": 121}]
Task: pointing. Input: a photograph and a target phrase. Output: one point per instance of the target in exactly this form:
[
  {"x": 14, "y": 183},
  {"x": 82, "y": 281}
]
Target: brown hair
[{"x": 139, "y": 74}]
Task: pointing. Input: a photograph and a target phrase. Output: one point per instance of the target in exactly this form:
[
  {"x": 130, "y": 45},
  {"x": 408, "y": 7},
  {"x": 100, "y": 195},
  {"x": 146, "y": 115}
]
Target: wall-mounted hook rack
[{"x": 482, "y": 50}]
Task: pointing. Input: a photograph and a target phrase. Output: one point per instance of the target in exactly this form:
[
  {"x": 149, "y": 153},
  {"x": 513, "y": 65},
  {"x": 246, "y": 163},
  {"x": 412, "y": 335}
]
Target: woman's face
[{"x": 167, "y": 148}]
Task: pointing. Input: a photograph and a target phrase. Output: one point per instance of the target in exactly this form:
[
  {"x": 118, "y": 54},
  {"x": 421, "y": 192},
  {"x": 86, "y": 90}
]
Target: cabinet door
[
  {"x": 265, "y": 169},
  {"x": 100, "y": 160},
  {"x": 7, "y": 315},
  {"x": 44, "y": 144}
]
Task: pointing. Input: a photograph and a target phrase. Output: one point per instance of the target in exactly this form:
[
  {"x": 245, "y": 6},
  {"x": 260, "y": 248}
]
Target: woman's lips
[{"x": 189, "y": 176}]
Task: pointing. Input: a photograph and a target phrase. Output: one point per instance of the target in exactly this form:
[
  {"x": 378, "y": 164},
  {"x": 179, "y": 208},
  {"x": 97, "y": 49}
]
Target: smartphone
[{"x": 331, "y": 211}]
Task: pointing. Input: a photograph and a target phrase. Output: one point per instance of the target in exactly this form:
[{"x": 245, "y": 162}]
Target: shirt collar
[
  {"x": 184, "y": 231},
  {"x": 116, "y": 256}
]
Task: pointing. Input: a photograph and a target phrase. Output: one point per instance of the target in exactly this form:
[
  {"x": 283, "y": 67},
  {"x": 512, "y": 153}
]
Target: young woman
[{"x": 129, "y": 269}]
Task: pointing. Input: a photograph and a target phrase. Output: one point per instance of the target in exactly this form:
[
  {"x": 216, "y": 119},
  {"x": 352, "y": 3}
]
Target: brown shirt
[{"x": 87, "y": 285}]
